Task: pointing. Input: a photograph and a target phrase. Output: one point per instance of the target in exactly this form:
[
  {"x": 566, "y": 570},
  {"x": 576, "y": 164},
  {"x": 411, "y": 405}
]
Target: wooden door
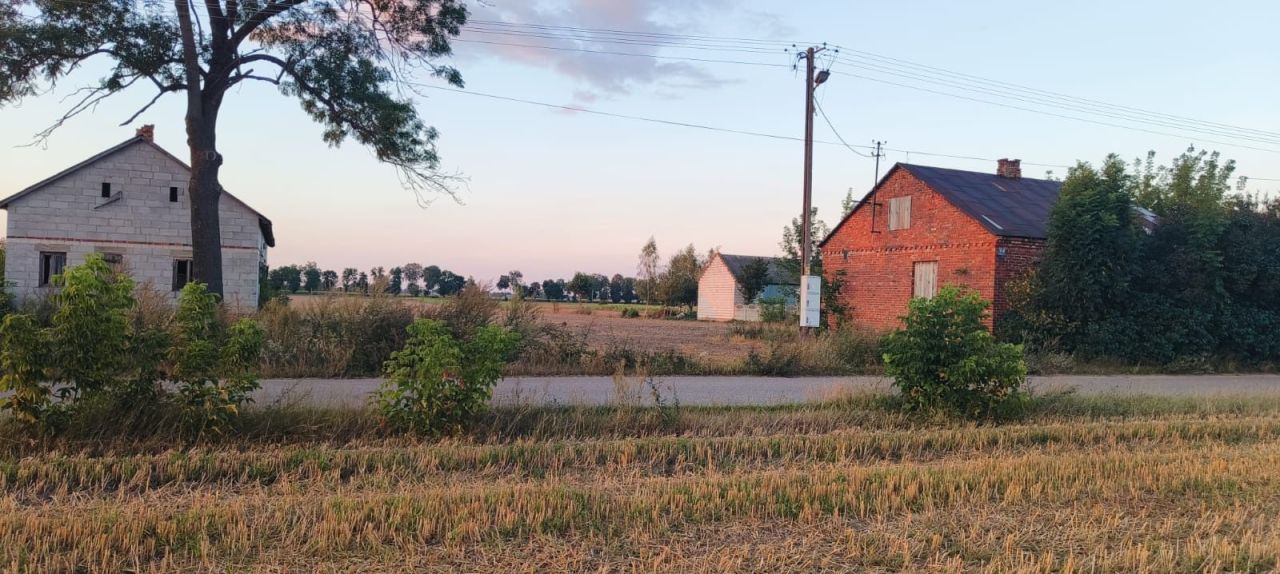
[{"x": 926, "y": 279}]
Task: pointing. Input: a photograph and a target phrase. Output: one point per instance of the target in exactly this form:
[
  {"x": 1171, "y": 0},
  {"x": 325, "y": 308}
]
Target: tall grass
[{"x": 333, "y": 336}]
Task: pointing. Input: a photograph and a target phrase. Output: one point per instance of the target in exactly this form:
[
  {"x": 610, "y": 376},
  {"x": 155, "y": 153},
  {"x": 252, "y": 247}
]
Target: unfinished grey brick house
[{"x": 128, "y": 203}]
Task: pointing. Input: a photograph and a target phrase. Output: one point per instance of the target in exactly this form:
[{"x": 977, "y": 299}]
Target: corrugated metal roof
[
  {"x": 778, "y": 273},
  {"x": 1007, "y": 207}
]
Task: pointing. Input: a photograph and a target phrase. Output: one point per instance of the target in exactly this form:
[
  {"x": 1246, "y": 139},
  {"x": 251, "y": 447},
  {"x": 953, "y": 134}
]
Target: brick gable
[{"x": 878, "y": 264}]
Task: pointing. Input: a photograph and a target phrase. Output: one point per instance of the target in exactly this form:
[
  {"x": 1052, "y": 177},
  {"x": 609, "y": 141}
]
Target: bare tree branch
[
  {"x": 163, "y": 90},
  {"x": 261, "y": 16}
]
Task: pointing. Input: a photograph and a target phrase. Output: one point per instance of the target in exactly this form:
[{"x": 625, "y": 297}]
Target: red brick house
[{"x": 924, "y": 227}]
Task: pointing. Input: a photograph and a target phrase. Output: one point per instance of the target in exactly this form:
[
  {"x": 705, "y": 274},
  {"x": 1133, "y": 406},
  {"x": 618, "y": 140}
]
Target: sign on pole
[{"x": 810, "y": 301}]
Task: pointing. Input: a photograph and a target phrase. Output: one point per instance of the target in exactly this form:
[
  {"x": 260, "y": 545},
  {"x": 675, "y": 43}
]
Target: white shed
[{"x": 719, "y": 293}]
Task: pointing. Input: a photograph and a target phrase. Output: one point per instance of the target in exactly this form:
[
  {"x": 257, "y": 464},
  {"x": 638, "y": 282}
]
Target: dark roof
[
  {"x": 778, "y": 273},
  {"x": 1006, "y": 207},
  {"x": 263, "y": 223}
]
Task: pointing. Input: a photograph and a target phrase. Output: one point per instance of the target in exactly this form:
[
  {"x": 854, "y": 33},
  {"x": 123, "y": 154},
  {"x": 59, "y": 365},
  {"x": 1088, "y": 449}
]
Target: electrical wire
[
  {"x": 835, "y": 131},
  {"x": 703, "y": 126}
]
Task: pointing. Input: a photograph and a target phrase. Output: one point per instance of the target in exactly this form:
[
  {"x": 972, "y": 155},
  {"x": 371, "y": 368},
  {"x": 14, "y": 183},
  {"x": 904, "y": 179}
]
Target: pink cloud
[{"x": 601, "y": 75}]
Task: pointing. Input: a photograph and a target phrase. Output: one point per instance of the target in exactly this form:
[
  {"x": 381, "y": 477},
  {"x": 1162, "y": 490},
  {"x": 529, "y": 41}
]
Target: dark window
[
  {"x": 106, "y": 189},
  {"x": 181, "y": 273},
  {"x": 115, "y": 261},
  {"x": 173, "y": 194},
  {"x": 51, "y": 265}
]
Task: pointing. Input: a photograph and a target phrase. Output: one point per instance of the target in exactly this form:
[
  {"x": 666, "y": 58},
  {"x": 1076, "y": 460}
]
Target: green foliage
[
  {"x": 23, "y": 348},
  {"x": 754, "y": 279},
  {"x": 439, "y": 384},
  {"x": 773, "y": 309},
  {"x": 1077, "y": 290},
  {"x": 630, "y": 313},
  {"x": 790, "y": 244},
  {"x": 105, "y": 352},
  {"x": 89, "y": 333},
  {"x": 945, "y": 359},
  {"x": 1201, "y": 284},
  {"x": 679, "y": 283},
  {"x": 213, "y": 366}
]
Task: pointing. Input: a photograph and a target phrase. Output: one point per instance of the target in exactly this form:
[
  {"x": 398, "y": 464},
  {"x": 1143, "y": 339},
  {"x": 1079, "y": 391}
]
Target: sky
[{"x": 550, "y": 191}]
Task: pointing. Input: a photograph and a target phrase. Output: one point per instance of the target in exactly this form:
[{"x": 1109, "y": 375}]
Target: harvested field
[{"x": 1108, "y": 484}]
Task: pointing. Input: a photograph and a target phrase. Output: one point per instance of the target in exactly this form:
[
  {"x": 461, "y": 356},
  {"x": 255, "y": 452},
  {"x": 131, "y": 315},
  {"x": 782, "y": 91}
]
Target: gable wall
[
  {"x": 143, "y": 225},
  {"x": 718, "y": 294},
  {"x": 877, "y": 268}
]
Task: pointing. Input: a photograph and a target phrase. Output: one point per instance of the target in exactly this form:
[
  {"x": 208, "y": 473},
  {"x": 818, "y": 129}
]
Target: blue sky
[{"x": 551, "y": 192}]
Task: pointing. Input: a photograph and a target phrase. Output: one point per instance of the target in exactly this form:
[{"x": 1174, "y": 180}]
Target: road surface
[{"x": 752, "y": 390}]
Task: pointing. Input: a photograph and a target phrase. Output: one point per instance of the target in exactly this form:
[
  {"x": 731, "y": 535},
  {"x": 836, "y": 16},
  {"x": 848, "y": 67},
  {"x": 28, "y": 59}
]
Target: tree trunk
[
  {"x": 205, "y": 192},
  {"x": 204, "y": 98}
]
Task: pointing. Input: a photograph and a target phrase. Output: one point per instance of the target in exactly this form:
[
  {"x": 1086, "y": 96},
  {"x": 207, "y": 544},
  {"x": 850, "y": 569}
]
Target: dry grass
[{"x": 1097, "y": 485}]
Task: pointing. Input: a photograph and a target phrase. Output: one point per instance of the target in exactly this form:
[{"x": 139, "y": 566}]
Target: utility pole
[
  {"x": 811, "y": 83},
  {"x": 877, "y": 154}
]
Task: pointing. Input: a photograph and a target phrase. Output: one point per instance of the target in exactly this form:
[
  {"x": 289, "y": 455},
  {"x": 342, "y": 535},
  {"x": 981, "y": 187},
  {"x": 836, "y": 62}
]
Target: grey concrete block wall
[{"x": 142, "y": 225}]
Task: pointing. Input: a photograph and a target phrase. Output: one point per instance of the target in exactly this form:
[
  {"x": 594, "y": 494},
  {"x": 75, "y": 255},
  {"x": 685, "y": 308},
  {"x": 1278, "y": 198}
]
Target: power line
[
  {"x": 633, "y": 54},
  {"x": 1071, "y": 107},
  {"x": 702, "y": 126},
  {"x": 651, "y": 34},
  {"x": 997, "y": 92},
  {"x": 1020, "y": 87},
  {"x": 835, "y": 131},
  {"x": 1048, "y": 113}
]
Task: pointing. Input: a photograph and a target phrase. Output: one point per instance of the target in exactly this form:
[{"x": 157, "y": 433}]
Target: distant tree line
[
  {"x": 412, "y": 279},
  {"x": 1201, "y": 281},
  {"x": 673, "y": 283}
]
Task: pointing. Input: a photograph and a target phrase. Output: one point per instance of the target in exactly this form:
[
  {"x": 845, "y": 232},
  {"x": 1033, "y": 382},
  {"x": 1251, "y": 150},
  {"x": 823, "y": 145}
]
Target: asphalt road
[{"x": 752, "y": 390}]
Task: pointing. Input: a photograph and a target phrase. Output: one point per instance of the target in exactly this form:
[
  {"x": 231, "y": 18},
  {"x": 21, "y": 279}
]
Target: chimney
[
  {"x": 1009, "y": 168},
  {"x": 148, "y": 132}
]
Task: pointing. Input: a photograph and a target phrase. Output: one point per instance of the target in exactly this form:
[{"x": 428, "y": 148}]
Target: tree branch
[
  {"x": 163, "y": 90},
  {"x": 261, "y": 16}
]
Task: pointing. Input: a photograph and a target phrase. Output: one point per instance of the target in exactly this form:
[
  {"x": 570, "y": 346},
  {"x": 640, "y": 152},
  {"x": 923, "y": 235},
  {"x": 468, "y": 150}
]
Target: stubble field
[{"x": 1110, "y": 484}]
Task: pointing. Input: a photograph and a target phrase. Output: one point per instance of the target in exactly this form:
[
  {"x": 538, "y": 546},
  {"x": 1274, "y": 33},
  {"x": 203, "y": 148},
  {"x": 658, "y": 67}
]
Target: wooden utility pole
[
  {"x": 877, "y": 154},
  {"x": 811, "y": 83},
  {"x": 808, "y": 161}
]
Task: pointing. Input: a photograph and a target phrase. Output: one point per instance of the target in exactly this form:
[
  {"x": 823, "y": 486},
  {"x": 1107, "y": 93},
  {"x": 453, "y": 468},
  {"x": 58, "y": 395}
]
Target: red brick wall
[
  {"x": 879, "y": 266},
  {"x": 1020, "y": 255}
]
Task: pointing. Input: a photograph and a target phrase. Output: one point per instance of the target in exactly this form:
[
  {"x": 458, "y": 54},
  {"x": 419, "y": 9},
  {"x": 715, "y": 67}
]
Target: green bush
[
  {"x": 773, "y": 309},
  {"x": 23, "y": 348},
  {"x": 945, "y": 359},
  {"x": 90, "y": 330},
  {"x": 213, "y": 365},
  {"x": 439, "y": 384},
  {"x": 630, "y": 313},
  {"x": 101, "y": 357}
]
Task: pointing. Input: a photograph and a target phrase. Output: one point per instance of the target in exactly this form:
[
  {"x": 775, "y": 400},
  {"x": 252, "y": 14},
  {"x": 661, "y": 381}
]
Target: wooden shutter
[
  {"x": 926, "y": 279},
  {"x": 900, "y": 213}
]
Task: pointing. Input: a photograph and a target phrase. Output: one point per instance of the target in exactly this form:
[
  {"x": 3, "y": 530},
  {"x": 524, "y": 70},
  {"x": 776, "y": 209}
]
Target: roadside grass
[{"x": 1106, "y": 483}]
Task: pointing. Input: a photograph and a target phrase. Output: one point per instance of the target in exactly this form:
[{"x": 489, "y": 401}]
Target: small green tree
[
  {"x": 213, "y": 366},
  {"x": 23, "y": 349},
  {"x": 1087, "y": 270},
  {"x": 755, "y": 277},
  {"x": 944, "y": 358},
  {"x": 438, "y": 384},
  {"x": 679, "y": 285},
  {"x": 89, "y": 333}
]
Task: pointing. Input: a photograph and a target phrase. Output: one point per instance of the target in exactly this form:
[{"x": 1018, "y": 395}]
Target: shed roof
[
  {"x": 778, "y": 272},
  {"x": 263, "y": 222}
]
